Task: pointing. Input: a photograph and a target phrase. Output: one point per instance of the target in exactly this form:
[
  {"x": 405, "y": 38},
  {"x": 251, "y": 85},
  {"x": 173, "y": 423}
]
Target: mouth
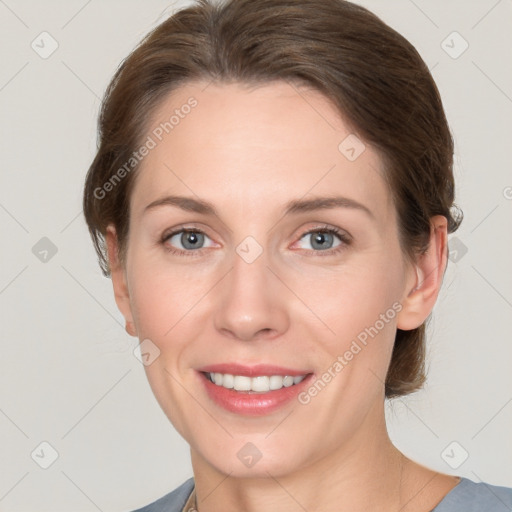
[
  {"x": 252, "y": 391},
  {"x": 258, "y": 384}
]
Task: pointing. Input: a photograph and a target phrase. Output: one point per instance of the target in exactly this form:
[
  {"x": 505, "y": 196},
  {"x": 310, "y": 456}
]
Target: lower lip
[{"x": 253, "y": 404}]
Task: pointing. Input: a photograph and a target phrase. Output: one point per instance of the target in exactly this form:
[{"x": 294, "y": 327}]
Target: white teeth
[
  {"x": 288, "y": 381},
  {"x": 259, "y": 384},
  {"x": 228, "y": 381},
  {"x": 241, "y": 382},
  {"x": 276, "y": 382}
]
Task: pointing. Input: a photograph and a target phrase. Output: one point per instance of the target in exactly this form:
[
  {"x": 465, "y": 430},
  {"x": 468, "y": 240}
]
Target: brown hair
[{"x": 373, "y": 75}]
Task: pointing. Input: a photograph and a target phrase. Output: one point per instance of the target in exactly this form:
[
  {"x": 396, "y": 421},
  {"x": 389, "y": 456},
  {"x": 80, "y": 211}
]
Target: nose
[{"x": 252, "y": 302}]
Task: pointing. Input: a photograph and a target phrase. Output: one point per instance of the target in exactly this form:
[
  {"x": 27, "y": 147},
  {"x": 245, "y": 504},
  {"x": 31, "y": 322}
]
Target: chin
[{"x": 242, "y": 458}]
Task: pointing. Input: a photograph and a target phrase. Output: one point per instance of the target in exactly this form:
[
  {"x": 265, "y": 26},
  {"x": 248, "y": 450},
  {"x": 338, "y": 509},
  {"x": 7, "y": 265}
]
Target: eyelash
[{"x": 345, "y": 241}]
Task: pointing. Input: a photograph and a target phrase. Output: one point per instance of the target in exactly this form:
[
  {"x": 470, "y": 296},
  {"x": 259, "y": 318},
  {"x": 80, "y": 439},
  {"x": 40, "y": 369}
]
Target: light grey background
[{"x": 68, "y": 373}]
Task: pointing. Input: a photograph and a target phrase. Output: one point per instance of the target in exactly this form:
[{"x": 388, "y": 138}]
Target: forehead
[{"x": 255, "y": 146}]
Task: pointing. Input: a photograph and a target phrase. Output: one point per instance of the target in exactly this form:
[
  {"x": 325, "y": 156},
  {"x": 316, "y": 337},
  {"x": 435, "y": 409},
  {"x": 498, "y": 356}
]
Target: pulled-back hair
[{"x": 373, "y": 75}]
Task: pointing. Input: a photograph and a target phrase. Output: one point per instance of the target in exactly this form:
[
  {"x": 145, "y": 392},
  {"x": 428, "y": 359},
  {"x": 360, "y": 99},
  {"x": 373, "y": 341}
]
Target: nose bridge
[
  {"x": 250, "y": 303},
  {"x": 250, "y": 268}
]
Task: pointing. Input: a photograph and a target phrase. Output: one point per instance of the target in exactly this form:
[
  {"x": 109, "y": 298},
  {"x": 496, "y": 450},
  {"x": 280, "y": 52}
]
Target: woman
[{"x": 272, "y": 196}]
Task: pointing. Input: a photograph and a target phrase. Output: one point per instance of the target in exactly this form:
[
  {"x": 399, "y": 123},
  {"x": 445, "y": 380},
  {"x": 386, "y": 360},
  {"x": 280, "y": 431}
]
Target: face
[{"x": 259, "y": 248}]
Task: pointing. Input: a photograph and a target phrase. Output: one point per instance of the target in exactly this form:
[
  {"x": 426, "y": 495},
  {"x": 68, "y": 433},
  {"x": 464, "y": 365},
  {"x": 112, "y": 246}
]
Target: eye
[
  {"x": 189, "y": 241},
  {"x": 328, "y": 240},
  {"x": 185, "y": 241}
]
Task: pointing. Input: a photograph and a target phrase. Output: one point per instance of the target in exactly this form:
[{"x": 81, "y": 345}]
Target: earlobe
[
  {"x": 426, "y": 278},
  {"x": 119, "y": 282}
]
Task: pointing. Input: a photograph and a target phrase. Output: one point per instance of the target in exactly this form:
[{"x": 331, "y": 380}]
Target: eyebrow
[{"x": 293, "y": 207}]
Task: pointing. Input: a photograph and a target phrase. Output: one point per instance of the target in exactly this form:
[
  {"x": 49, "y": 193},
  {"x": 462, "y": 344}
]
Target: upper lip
[{"x": 251, "y": 371}]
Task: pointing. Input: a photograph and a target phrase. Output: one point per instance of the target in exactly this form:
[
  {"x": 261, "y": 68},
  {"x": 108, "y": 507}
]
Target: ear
[
  {"x": 425, "y": 278},
  {"x": 121, "y": 292}
]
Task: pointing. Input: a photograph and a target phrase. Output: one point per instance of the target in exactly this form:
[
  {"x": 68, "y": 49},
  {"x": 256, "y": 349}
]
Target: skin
[{"x": 249, "y": 151}]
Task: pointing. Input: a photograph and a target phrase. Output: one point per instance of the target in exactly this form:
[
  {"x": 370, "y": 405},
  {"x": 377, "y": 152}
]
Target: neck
[{"x": 364, "y": 473}]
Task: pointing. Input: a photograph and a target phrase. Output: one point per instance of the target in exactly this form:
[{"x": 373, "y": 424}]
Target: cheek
[
  {"x": 360, "y": 306},
  {"x": 165, "y": 297},
  {"x": 357, "y": 298},
  {"x": 154, "y": 286},
  {"x": 166, "y": 304}
]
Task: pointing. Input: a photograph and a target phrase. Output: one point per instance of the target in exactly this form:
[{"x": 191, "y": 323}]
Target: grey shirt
[{"x": 466, "y": 496}]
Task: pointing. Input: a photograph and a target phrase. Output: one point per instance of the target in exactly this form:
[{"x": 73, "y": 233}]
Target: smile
[
  {"x": 253, "y": 390},
  {"x": 257, "y": 384}
]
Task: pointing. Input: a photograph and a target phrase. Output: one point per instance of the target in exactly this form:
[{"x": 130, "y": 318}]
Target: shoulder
[
  {"x": 469, "y": 496},
  {"x": 172, "y": 502}
]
